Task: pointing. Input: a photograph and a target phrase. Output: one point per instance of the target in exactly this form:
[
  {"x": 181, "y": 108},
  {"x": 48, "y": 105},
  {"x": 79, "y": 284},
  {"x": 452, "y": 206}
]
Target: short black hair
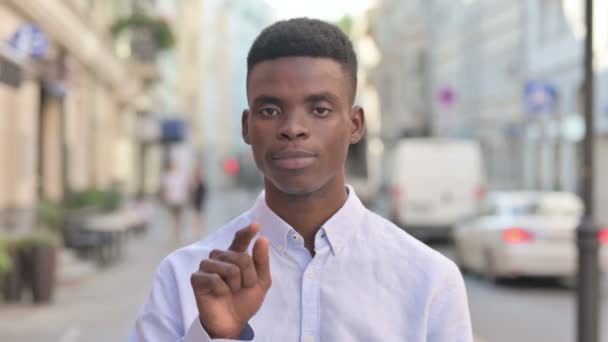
[{"x": 304, "y": 37}]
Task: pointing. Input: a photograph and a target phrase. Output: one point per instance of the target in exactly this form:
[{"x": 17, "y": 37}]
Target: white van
[{"x": 436, "y": 183}]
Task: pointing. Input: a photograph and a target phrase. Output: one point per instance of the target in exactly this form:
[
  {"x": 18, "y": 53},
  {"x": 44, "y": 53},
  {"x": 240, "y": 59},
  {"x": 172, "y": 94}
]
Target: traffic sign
[
  {"x": 446, "y": 96},
  {"x": 540, "y": 98}
]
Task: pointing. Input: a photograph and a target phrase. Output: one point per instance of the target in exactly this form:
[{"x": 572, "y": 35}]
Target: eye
[
  {"x": 268, "y": 111},
  {"x": 321, "y": 111}
]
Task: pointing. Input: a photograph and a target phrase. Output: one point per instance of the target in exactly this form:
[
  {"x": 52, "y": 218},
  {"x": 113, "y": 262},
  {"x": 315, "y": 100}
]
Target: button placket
[{"x": 310, "y": 299}]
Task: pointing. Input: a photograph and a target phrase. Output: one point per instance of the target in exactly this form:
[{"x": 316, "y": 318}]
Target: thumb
[{"x": 261, "y": 259}]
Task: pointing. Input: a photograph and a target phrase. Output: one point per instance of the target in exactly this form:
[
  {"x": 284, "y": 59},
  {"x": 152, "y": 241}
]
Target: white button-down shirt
[{"x": 368, "y": 281}]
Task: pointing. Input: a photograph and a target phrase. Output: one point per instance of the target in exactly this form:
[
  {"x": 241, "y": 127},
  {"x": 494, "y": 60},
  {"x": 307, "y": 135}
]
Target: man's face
[{"x": 300, "y": 122}]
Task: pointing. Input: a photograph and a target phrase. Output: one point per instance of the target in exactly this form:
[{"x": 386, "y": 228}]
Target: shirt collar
[
  {"x": 343, "y": 224},
  {"x": 338, "y": 229}
]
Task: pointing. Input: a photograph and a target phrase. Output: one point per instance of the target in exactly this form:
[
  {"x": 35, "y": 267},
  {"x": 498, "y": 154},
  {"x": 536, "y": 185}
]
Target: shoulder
[{"x": 407, "y": 254}]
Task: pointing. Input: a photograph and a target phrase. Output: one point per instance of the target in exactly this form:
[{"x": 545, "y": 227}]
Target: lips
[{"x": 293, "y": 159}]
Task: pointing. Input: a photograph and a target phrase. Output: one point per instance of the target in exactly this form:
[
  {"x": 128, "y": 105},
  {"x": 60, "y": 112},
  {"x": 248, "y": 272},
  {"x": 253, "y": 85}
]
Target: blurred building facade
[
  {"x": 68, "y": 108},
  {"x": 402, "y": 75},
  {"x": 202, "y": 81},
  {"x": 478, "y": 55},
  {"x": 457, "y": 76},
  {"x": 228, "y": 30},
  {"x": 467, "y": 65},
  {"x": 364, "y": 162},
  {"x": 555, "y": 33}
]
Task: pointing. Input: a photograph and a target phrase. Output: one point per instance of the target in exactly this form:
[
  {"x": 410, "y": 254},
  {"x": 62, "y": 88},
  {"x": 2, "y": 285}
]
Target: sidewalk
[
  {"x": 94, "y": 309},
  {"x": 102, "y": 306}
]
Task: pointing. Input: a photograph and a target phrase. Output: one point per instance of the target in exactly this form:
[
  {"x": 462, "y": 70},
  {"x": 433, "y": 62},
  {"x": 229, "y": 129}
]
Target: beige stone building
[{"x": 67, "y": 117}]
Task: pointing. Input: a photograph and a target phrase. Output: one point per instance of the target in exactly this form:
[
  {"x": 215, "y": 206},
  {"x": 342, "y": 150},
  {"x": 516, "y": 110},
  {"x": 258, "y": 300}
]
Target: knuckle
[
  {"x": 224, "y": 257},
  {"x": 215, "y": 253},
  {"x": 215, "y": 279},
  {"x": 205, "y": 264},
  {"x": 244, "y": 260},
  {"x": 197, "y": 280},
  {"x": 234, "y": 271}
]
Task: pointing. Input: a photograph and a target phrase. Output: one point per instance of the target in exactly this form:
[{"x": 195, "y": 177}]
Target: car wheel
[
  {"x": 489, "y": 272},
  {"x": 459, "y": 258},
  {"x": 570, "y": 282}
]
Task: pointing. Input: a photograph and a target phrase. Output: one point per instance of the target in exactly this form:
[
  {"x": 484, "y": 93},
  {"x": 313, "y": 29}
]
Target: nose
[{"x": 293, "y": 126}]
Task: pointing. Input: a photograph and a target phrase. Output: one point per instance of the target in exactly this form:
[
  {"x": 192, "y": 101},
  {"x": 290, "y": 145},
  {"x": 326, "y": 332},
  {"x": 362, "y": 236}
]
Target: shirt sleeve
[
  {"x": 160, "y": 318},
  {"x": 449, "y": 318},
  {"x": 197, "y": 331}
]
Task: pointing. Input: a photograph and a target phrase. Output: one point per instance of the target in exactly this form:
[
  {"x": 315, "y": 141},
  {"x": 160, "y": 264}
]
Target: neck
[{"x": 306, "y": 213}]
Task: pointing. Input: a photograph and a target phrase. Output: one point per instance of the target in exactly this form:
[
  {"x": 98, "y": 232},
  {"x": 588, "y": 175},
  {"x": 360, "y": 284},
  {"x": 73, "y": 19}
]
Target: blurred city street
[
  {"x": 486, "y": 137},
  {"x": 525, "y": 310}
]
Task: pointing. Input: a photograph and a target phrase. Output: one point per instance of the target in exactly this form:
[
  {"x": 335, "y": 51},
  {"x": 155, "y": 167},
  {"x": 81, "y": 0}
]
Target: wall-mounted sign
[
  {"x": 173, "y": 130},
  {"x": 30, "y": 41}
]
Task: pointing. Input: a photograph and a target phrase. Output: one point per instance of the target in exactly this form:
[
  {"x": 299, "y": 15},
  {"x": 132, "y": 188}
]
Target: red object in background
[
  {"x": 480, "y": 192},
  {"x": 397, "y": 193},
  {"x": 603, "y": 236},
  {"x": 516, "y": 235},
  {"x": 231, "y": 167}
]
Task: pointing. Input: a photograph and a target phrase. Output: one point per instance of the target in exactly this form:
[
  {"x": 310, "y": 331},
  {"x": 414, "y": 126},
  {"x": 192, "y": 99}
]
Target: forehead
[{"x": 292, "y": 76}]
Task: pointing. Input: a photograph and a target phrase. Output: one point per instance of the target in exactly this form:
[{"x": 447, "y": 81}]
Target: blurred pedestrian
[
  {"x": 140, "y": 212},
  {"x": 175, "y": 196},
  {"x": 339, "y": 271},
  {"x": 199, "y": 194}
]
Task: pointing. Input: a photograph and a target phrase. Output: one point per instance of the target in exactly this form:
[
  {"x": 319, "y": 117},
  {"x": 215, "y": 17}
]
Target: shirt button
[
  {"x": 310, "y": 274},
  {"x": 310, "y": 339}
]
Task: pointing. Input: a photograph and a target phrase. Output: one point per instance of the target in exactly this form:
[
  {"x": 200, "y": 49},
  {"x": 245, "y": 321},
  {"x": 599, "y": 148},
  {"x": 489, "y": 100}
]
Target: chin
[{"x": 295, "y": 188}]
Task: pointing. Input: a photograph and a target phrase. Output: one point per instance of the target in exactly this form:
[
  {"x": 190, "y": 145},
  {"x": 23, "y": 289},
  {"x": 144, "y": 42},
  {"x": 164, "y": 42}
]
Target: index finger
[{"x": 243, "y": 238}]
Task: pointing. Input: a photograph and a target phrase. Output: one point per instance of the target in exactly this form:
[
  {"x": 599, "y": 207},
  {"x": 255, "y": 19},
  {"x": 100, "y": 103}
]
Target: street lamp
[{"x": 588, "y": 278}]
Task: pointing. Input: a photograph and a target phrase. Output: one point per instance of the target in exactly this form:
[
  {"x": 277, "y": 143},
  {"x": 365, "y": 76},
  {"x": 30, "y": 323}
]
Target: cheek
[
  {"x": 260, "y": 131},
  {"x": 258, "y": 157},
  {"x": 258, "y": 148},
  {"x": 338, "y": 147}
]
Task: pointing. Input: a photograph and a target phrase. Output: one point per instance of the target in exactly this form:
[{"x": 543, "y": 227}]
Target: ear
[
  {"x": 357, "y": 123},
  {"x": 245, "y": 126}
]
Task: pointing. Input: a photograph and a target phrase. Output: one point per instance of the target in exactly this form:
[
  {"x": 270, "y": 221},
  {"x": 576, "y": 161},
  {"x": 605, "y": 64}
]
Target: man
[
  {"x": 198, "y": 197},
  {"x": 175, "y": 196},
  {"x": 308, "y": 262}
]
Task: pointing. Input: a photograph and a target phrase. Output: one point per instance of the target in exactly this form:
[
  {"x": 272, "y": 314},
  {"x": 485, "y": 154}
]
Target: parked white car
[{"x": 524, "y": 234}]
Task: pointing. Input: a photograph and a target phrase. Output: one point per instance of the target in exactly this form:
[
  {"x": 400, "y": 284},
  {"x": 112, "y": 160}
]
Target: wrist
[{"x": 230, "y": 334}]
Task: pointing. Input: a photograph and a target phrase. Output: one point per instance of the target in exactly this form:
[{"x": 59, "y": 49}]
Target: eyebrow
[
  {"x": 322, "y": 96},
  {"x": 267, "y": 99}
]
